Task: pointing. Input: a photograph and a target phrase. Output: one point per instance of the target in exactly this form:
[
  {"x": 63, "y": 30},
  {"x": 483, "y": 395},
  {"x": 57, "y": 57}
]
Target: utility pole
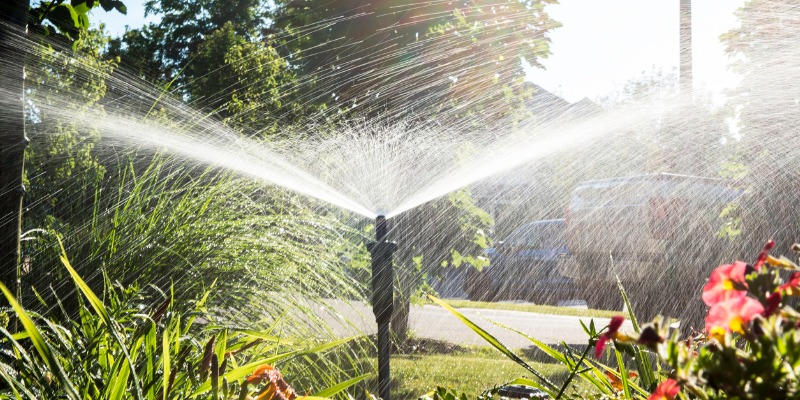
[{"x": 685, "y": 68}]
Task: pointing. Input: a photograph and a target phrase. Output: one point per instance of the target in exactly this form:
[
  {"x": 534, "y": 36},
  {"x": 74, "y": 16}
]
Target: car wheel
[
  {"x": 601, "y": 295},
  {"x": 478, "y": 285}
]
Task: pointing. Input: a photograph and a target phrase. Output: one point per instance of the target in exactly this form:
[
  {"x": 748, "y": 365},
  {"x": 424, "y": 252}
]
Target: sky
[{"x": 602, "y": 43}]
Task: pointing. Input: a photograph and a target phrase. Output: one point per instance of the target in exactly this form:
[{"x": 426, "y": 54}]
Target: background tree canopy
[
  {"x": 265, "y": 69},
  {"x": 385, "y": 58}
]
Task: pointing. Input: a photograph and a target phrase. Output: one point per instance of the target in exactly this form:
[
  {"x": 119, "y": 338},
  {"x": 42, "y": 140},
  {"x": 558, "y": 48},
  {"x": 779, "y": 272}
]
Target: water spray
[{"x": 382, "y": 298}]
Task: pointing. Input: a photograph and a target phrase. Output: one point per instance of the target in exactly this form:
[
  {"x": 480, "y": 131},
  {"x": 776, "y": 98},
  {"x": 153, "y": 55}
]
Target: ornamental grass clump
[{"x": 119, "y": 348}]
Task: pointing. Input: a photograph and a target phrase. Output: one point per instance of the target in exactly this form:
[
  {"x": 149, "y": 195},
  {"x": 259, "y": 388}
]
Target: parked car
[
  {"x": 524, "y": 267},
  {"x": 657, "y": 233}
]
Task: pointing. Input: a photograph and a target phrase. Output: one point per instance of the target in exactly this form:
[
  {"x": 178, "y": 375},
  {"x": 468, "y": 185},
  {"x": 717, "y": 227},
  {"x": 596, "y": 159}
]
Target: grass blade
[
  {"x": 165, "y": 348},
  {"x": 643, "y": 364},
  {"x": 623, "y": 375},
  {"x": 531, "y": 383},
  {"x": 247, "y": 369},
  {"x": 333, "y": 390},
  {"x": 40, "y": 344},
  {"x": 493, "y": 341},
  {"x": 100, "y": 309},
  {"x": 591, "y": 375}
]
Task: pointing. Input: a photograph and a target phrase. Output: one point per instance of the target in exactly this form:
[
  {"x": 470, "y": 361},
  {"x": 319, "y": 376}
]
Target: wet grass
[
  {"x": 529, "y": 307},
  {"x": 470, "y": 372}
]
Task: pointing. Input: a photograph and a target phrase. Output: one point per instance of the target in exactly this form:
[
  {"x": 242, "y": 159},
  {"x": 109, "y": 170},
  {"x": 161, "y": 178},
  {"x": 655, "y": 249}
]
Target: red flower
[
  {"x": 791, "y": 288},
  {"x": 724, "y": 282},
  {"x": 610, "y": 334},
  {"x": 276, "y": 389},
  {"x": 732, "y": 315},
  {"x": 762, "y": 257},
  {"x": 666, "y": 390},
  {"x": 773, "y": 301}
]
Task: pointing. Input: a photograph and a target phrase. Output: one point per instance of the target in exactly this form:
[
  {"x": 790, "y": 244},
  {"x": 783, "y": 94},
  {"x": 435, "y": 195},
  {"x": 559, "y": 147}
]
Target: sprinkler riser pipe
[
  {"x": 382, "y": 299},
  {"x": 382, "y": 251}
]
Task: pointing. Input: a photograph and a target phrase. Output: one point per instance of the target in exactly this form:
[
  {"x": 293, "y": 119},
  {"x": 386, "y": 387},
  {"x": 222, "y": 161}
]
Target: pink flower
[
  {"x": 610, "y": 334},
  {"x": 732, "y": 315},
  {"x": 666, "y": 390},
  {"x": 724, "y": 283}
]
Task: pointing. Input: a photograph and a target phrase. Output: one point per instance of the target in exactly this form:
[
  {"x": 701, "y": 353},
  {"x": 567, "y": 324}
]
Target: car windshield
[{"x": 541, "y": 235}]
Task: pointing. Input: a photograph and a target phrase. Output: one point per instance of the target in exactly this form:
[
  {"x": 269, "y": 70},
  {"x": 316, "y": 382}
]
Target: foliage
[
  {"x": 248, "y": 83},
  {"x": 122, "y": 347},
  {"x": 168, "y": 224},
  {"x": 67, "y": 20},
  {"x": 166, "y": 48},
  {"x": 60, "y": 150},
  {"x": 750, "y": 350},
  {"x": 763, "y": 48},
  {"x": 401, "y": 59}
]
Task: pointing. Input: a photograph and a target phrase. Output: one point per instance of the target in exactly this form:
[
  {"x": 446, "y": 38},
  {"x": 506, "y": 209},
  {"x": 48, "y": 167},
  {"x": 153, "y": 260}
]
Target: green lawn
[
  {"x": 470, "y": 372},
  {"x": 580, "y": 312}
]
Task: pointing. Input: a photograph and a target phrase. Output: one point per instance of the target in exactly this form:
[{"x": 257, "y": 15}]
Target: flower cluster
[
  {"x": 750, "y": 343},
  {"x": 750, "y": 347},
  {"x": 726, "y": 295}
]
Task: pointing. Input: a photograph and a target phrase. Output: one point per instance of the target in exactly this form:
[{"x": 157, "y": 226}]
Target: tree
[
  {"x": 164, "y": 49},
  {"x": 248, "y": 84},
  {"x": 407, "y": 58},
  {"x": 63, "y": 22},
  {"x": 447, "y": 233},
  {"x": 13, "y": 16},
  {"x": 765, "y": 50}
]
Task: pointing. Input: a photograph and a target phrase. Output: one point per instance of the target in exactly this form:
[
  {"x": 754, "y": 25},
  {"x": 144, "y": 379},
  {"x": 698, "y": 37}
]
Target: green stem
[
  {"x": 574, "y": 371},
  {"x": 50, "y": 7}
]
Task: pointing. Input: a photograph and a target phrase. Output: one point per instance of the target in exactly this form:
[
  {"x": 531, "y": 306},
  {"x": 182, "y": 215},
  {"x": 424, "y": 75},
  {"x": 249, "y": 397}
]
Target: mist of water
[{"x": 521, "y": 171}]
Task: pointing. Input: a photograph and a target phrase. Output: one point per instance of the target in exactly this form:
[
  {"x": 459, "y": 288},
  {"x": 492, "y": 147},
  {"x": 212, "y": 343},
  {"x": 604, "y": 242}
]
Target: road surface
[{"x": 434, "y": 322}]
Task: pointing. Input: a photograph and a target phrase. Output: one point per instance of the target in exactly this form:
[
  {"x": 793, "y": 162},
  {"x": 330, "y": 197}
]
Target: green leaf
[
  {"x": 94, "y": 301},
  {"x": 119, "y": 382},
  {"x": 333, "y": 390},
  {"x": 623, "y": 374},
  {"x": 165, "y": 346},
  {"x": 80, "y": 6},
  {"x": 107, "y": 5},
  {"x": 556, "y": 355},
  {"x": 247, "y": 369},
  {"x": 492, "y": 341},
  {"x": 262, "y": 335},
  {"x": 40, "y": 344},
  {"x": 83, "y": 21},
  {"x": 120, "y": 6},
  {"x": 529, "y": 382},
  {"x": 100, "y": 309},
  {"x": 65, "y": 18},
  {"x": 222, "y": 345}
]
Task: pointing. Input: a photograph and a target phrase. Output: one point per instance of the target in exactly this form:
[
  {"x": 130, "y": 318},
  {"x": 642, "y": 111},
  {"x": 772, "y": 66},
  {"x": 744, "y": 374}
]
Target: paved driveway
[{"x": 434, "y": 322}]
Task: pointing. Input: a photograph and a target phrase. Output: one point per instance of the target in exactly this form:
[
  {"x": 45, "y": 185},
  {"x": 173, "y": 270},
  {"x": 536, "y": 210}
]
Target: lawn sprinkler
[{"x": 382, "y": 298}]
